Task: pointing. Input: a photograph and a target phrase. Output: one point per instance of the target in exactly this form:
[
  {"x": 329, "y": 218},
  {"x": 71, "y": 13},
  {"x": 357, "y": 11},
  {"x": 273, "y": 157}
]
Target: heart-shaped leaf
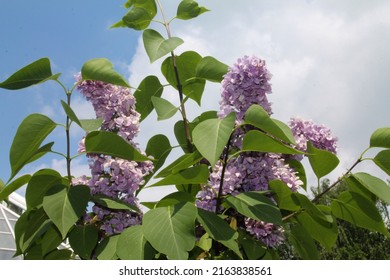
[
  {"x": 211, "y": 136},
  {"x": 157, "y": 46}
]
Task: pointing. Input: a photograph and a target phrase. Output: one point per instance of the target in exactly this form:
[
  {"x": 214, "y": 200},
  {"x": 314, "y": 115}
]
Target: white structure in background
[{"x": 9, "y": 214}]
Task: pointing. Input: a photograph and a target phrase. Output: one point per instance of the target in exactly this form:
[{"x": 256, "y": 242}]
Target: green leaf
[
  {"x": 170, "y": 230},
  {"x": 31, "y": 133},
  {"x": 186, "y": 64},
  {"x": 211, "y": 136},
  {"x": 259, "y": 118},
  {"x": 62, "y": 254},
  {"x": 180, "y": 135},
  {"x": 65, "y": 206},
  {"x": 355, "y": 186},
  {"x": 70, "y": 113},
  {"x": 359, "y": 211},
  {"x": 2, "y": 185},
  {"x": 13, "y": 186},
  {"x": 302, "y": 243},
  {"x": 89, "y": 125},
  {"x": 253, "y": 248},
  {"x": 149, "y": 87},
  {"x": 38, "y": 185},
  {"x": 195, "y": 175},
  {"x": 111, "y": 203},
  {"x": 43, "y": 150},
  {"x": 20, "y": 231},
  {"x": 325, "y": 233},
  {"x": 106, "y": 250},
  {"x": 157, "y": 46},
  {"x": 83, "y": 240},
  {"x": 180, "y": 164},
  {"x": 175, "y": 198},
  {"x": 159, "y": 147},
  {"x": 132, "y": 245},
  {"x": 29, "y": 75},
  {"x": 219, "y": 230},
  {"x": 140, "y": 16},
  {"x": 284, "y": 196},
  {"x": 256, "y": 206},
  {"x": 323, "y": 162},
  {"x": 304, "y": 202},
  {"x": 381, "y": 138},
  {"x": 258, "y": 141},
  {"x": 205, "y": 242},
  {"x": 109, "y": 143},
  {"x": 118, "y": 24},
  {"x": 164, "y": 108},
  {"x": 189, "y": 9},
  {"x": 37, "y": 224},
  {"x": 50, "y": 240},
  {"x": 374, "y": 185},
  {"x": 101, "y": 69},
  {"x": 382, "y": 160},
  {"x": 211, "y": 69}
]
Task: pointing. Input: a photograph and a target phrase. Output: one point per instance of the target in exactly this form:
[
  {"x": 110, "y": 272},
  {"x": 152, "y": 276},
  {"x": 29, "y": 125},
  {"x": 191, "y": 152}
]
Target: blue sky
[
  {"x": 329, "y": 60},
  {"x": 68, "y": 34}
]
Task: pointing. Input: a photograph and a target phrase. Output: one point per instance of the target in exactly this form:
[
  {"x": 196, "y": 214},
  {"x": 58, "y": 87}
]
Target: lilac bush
[{"x": 240, "y": 190}]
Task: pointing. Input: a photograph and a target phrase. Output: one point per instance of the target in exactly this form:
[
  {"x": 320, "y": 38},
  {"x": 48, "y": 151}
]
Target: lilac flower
[
  {"x": 247, "y": 172},
  {"x": 113, "y": 177},
  {"x": 246, "y": 83},
  {"x": 306, "y": 130},
  {"x": 114, "y": 104},
  {"x": 270, "y": 234}
]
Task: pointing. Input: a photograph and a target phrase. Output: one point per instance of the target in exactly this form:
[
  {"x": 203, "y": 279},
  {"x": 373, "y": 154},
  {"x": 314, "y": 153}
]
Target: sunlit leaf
[
  {"x": 258, "y": 141},
  {"x": 189, "y": 9},
  {"x": 13, "y": 186},
  {"x": 211, "y": 136},
  {"x": 32, "y": 74},
  {"x": 382, "y": 159},
  {"x": 101, "y": 69},
  {"x": 164, "y": 108},
  {"x": 194, "y": 175},
  {"x": 359, "y": 211},
  {"x": 109, "y": 143},
  {"x": 381, "y": 138},
  {"x": 65, "y": 206},
  {"x": 31, "y": 133},
  {"x": 374, "y": 185},
  {"x": 132, "y": 245},
  {"x": 171, "y": 230},
  {"x": 258, "y": 117},
  {"x": 256, "y": 206},
  {"x": 157, "y": 46},
  {"x": 149, "y": 87}
]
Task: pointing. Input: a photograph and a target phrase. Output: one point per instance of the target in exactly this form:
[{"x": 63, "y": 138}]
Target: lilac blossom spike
[{"x": 246, "y": 83}]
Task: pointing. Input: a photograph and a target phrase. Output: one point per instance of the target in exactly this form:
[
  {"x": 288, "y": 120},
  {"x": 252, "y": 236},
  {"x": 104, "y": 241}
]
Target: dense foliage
[{"x": 241, "y": 186}]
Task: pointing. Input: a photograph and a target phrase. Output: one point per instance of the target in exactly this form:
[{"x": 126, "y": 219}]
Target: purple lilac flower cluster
[
  {"x": 250, "y": 172},
  {"x": 246, "y": 83},
  {"x": 306, "y": 130},
  {"x": 115, "y": 178}
]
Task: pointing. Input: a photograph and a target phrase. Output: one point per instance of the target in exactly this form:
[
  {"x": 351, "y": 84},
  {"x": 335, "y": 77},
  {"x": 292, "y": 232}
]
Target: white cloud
[{"x": 329, "y": 59}]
